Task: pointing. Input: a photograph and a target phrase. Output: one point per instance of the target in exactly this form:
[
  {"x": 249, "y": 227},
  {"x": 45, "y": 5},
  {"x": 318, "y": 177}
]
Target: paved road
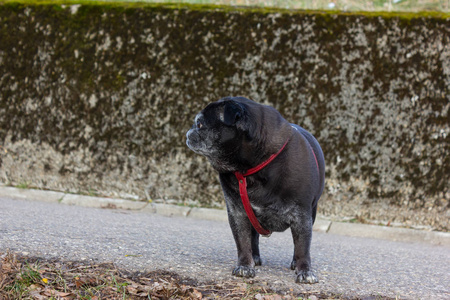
[{"x": 204, "y": 250}]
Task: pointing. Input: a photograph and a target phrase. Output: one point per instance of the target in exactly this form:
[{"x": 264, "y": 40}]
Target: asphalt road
[{"x": 205, "y": 251}]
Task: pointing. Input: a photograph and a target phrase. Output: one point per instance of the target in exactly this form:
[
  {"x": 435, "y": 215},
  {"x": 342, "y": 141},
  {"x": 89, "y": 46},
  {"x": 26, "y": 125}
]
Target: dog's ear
[{"x": 232, "y": 113}]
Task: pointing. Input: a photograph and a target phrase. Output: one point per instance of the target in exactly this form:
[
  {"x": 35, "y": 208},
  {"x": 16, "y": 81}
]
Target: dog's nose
[{"x": 188, "y": 133}]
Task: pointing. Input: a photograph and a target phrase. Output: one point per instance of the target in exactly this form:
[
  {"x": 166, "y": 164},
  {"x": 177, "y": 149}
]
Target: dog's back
[{"x": 320, "y": 161}]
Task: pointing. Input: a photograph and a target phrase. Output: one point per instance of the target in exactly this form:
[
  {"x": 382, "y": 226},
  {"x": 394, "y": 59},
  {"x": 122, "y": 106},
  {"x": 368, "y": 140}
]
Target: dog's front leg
[{"x": 242, "y": 232}]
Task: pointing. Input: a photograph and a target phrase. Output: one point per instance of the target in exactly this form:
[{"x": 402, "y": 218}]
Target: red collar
[{"x": 244, "y": 196}]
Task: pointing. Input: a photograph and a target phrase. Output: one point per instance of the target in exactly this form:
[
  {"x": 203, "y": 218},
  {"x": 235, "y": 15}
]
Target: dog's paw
[
  {"x": 257, "y": 260},
  {"x": 306, "y": 277},
  {"x": 244, "y": 271}
]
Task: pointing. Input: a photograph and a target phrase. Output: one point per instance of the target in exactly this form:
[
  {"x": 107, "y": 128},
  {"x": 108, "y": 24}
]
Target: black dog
[{"x": 277, "y": 165}]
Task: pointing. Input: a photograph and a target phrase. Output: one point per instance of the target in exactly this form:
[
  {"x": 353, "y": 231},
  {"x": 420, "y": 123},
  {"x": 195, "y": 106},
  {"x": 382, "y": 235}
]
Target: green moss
[
  {"x": 23, "y": 185},
  {"x": 226, "y": 8}
]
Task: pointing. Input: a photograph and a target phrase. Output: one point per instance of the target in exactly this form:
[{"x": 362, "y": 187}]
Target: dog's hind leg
[
  {"x": 255, "y": 247},
  {"x": 302, "y": 234},
  {"x": 314, "y": 211}
]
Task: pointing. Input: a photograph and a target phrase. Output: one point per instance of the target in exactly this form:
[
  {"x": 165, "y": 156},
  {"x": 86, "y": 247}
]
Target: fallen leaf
[
  {"x": 34, "y": 287},
  {"x": 242, "y": 286},
  {"x": 132, "y": 290},
  {"x": 197, "y": 294},
  {"x": 6, "y": 267},
  {"x": 37, "y": 295}
]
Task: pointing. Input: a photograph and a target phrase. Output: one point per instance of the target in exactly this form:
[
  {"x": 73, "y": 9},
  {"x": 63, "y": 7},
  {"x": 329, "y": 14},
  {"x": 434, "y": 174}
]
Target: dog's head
[
  {"x": 218, "y": 130},
  {"x": 234, "y": 132}
]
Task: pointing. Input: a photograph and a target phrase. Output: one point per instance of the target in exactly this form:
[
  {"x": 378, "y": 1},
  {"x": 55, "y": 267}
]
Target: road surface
[{"x": 205, "y": 251}]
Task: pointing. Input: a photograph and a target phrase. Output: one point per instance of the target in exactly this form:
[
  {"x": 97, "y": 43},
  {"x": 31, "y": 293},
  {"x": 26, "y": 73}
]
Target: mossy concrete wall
[{"x": 97, "y": 99}]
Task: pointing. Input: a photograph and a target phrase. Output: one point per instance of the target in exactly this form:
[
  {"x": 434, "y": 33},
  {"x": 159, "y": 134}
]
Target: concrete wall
[{"x": 97, "y": 99}]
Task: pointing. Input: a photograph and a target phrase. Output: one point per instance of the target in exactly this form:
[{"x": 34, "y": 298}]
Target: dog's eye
[{"x": 199, "y": 125}]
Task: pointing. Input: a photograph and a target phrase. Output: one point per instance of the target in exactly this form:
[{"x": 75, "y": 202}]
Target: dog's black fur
[{"x": 237, "y": 134}]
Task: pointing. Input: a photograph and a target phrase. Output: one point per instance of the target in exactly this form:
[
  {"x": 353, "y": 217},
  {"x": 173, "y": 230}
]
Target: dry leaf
[
  {"x": 34, "y": 287},
  {"x": 132, "y": 290},
  {"x": 197, "y": 294},
  {"x": 37, "y": 295},
  {"x": 242, "y": 286}
]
